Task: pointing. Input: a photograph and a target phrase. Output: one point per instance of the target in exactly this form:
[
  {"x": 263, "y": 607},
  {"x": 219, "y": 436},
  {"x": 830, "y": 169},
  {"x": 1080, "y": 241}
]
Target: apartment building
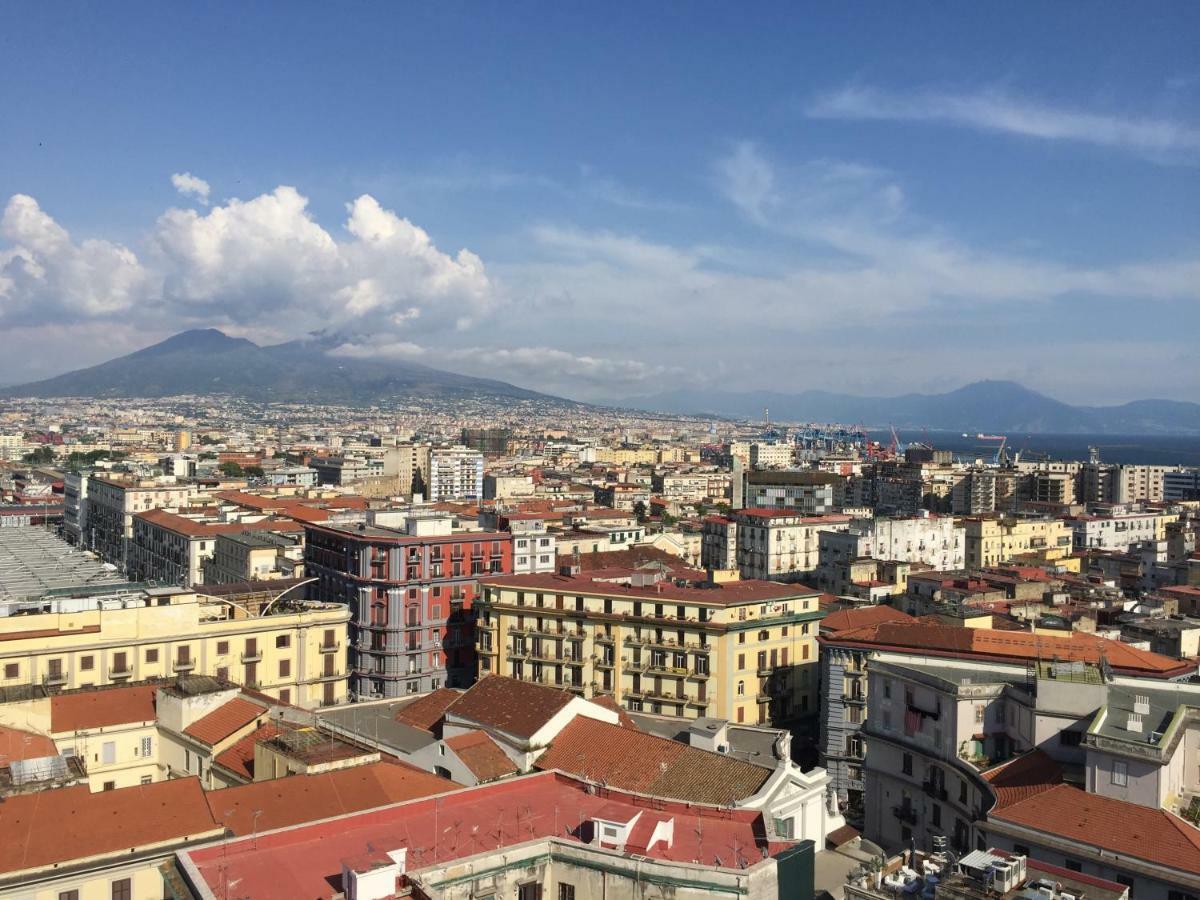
[
  {"x": 255, "y": 556},
  {"x": 806, "y": 492},
  {"x": 623, "y": 496},
  {"x": 772, "y": 456},
  {"x": 75, "y": 486},
  {"x": 1118, "y": 530},
  {"x": 1109, "y": 483},
  {"x": 409, "y": 593},
  {"x": 769, "y": 544},
  {"x": 169, "y": 548},
  {"x": 1181, "y": 485},
  {"x": 455, "y": 473},
  {"x": 992, "y": 541},
  {"x": 110, "y": 505},
  {"x": 118, "y": 634},
  {"x": 658, "y": 641},
  {"x": 935, "y": 542},
  {"x": 402, "y": 463}
]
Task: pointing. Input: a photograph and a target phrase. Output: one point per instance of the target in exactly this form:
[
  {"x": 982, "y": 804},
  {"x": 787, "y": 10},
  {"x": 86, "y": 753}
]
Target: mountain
[
  {"x": 207, "y": 361},
  {"x": 983, "y": 406}
]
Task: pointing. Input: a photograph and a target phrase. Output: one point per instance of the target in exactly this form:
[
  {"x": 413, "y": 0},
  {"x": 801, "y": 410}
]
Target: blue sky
[{"x": 611, "y": 201}]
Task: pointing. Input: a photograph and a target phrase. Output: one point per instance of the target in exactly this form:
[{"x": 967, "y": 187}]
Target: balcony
[
  {"x": 252, "y": 656},
  {"x": 936, "y": 791},
  {"x": 330, "y": 648},
  {"x": 905, "y": 813},
  {"x": 183, "y": 665},
  {"x": 120, "y": 671},
  {"x": 54, "y": 679}
]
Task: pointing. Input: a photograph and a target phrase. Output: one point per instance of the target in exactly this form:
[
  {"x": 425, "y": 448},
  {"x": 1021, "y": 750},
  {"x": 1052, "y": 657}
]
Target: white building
[
  {"x": 768, "y": 544},
  {"x": 455, "y": 473}
]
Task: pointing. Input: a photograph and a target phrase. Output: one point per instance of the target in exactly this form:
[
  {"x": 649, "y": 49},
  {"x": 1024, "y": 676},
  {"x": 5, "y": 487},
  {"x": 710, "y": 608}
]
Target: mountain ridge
[
  {"x": 990, "y": 405},
  {"x": 208, "y": 361}
]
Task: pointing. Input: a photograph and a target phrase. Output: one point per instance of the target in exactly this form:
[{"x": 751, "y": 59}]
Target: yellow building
[
  {"x": 738, "y": 650},
  {"x": 295, "y": 653},
  {"x": 994, "y": 541}
]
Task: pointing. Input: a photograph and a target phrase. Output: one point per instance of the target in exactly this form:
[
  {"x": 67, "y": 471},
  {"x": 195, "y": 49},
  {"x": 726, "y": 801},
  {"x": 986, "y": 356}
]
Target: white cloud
[
  {"x": 191, "y": 186},
  {"x": 45, "y": 275},
  {"x": 992, "y": 110}
]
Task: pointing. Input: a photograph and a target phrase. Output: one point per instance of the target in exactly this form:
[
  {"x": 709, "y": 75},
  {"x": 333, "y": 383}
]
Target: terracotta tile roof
[
  {"x": 102, "y": 708},
  {"x": 514, "y": 707},
  {"x": 1022, "y": 778},
  {"x": 482, "y": 755},
  {"x": 16, "y": 744},
  {"x": 1123, "y": 828},
  {"x": 623, "y": 718},
  {"x": 50, "y": 827},
  {"x": 306, "y": 798},
  {"x": 625, "y": 559},
  {"x": 1009, "y": 646},
  {"x": 224, "y": 721},
  {"x": 239, "y": 758},
  {"x": 48, "y": 632},
  {"x": 648, "y": 764},
  {"x": 863, "y": 615},
  {"x": 595, "y": 583},
  {"x": 426, "y": 712}
]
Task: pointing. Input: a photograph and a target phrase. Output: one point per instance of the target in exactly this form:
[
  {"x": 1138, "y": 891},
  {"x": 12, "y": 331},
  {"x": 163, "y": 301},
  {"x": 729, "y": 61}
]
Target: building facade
[
  {"x": 739, "y": 650},
  {"x": 410, "y": 594}
]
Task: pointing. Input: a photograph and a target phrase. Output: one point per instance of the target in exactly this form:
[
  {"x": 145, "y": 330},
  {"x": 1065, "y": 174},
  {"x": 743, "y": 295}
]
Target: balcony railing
[
  {"x": 252, "y": 656},
  {"x": 330, "y": 648},
  {"x": 905, "y": 814},
  {"x": 183, "y": 665}
]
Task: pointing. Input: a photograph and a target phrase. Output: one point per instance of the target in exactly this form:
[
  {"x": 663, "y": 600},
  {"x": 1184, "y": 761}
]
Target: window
[
  {"x": 1070, "y": 738},
  {"x": 68, "y": 895},
  {"x": 110, "y": 785},
  {"x": 123, "y": 889},
  {"x": 283, "y": 641},
  {"x": 86, "y": 663},
  {"x": 147, "y": 747},
  {"x": 222, "y": 648},
  {"x": 1073, "y": 865},
  {"x": 147, "y": 779},
  {"x": 741, "y": 689},
  {"x": 887, "y": 689},
  {"x": 285, "y": 668},
  {"x": 12, "y": 670},
  {"x": 285, "y": 695},
  {"x": 906, "y": 764},
  {"x": 741, "y": 661},
  {"x": 1120, "y": 772},
  {"x": 529, "y": 891},
  {"x": 152, "y": 655},
  {"x": 566, "y": 891}
]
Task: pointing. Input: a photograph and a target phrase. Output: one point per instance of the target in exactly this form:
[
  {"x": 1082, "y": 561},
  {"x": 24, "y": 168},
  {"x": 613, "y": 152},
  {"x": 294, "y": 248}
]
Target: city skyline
[{"x": 604, "y": 210}]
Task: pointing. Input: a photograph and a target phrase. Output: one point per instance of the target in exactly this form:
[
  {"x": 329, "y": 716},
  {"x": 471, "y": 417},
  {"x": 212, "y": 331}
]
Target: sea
[{"x": 1157, "y": 450}]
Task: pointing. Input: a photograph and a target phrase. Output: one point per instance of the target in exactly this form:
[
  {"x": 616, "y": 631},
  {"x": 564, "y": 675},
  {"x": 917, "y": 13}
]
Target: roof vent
[
  {"x": 1141, "y": 704},
  {"x": 1134, "y": 723}
]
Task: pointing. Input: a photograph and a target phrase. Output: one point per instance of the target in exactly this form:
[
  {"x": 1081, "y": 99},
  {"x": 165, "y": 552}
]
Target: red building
[{"x": 411, "y": 594}]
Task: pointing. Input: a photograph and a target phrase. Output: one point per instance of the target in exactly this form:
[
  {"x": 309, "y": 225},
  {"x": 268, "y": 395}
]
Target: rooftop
[
  {"x": 89, "y": 708},
  {"x": 482, "y": 755},
  {"x": 307, "y": 861},
  {"x": 224, "y": 721},
  {"x": 648, "y": 764},
  {"x": 616, "y": 583},
  {"x": 34, "y": 561},
  {"x": 519, "y": 708}
]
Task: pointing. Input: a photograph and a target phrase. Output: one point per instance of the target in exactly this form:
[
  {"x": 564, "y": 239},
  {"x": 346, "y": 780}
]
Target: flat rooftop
[{"x": 34, "y": 561}]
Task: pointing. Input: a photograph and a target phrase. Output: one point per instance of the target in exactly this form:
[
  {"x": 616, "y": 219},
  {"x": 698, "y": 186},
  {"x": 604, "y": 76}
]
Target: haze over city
[{"x": 604, "y": 208}]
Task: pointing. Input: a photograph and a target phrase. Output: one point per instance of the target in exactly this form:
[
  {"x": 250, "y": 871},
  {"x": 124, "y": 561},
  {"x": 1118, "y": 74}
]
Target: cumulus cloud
[
  {"x": 46, "y": 276},
  {"x": 258, "y": 263},
  {"x": 191, "y": 186},
  {"x": 993, "y": 110}
]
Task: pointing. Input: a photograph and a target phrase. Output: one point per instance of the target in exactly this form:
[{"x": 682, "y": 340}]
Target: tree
[
  {"x": 40, "y": 455},
  {"x": 639, "y": 510},
  {"x": 667, "y": 519},
  {"x": 701, "y": 509},
  {"x": 253, "y": 471},
  {"x": 418, "y": 482},
  {"x": 230, "y": 469}
]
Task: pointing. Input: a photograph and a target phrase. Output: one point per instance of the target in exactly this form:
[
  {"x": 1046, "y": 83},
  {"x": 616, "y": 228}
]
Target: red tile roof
[
  {"x": 102, "y": 708},
  {"x": 862, "y": 615},
  {"x": 623, "y": 718},
  {"x": 225, "y": 720},
  {"x": 239, "y": 758},
  {"x": 307, "y": 798},
  {"x": 594, "y": 583},
  {"x": 482, "y": 755},
  {"x": 1022, "y": 778},
  {"x": 52, "y": 827},
  {"x": 426, "y": 712},
  {"x": 1008, "y": 646},
  {"x": 1127, "y": 829},
  {"x": 305, "y": 862},
  {"x": 16, "y": 744},
  {"x": 648, "y": 764},
  {"x": 515, "y": 707}
]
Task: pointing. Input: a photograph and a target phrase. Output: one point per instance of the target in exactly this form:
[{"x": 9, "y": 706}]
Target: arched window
[{"x": 741, "y": 688}]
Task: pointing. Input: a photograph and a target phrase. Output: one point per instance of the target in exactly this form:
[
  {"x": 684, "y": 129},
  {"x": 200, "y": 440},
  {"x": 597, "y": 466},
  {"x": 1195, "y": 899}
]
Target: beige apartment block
[
  {"x": 993, "y": 541},
  {"x": 295, "y": 653},
  {"x": 739, "y": 650}
]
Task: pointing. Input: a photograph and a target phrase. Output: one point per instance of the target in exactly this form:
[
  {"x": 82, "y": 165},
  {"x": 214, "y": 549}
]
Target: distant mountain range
[
  {"x": 208, "y": 361},
  {"x": 985, "y": 406}
]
